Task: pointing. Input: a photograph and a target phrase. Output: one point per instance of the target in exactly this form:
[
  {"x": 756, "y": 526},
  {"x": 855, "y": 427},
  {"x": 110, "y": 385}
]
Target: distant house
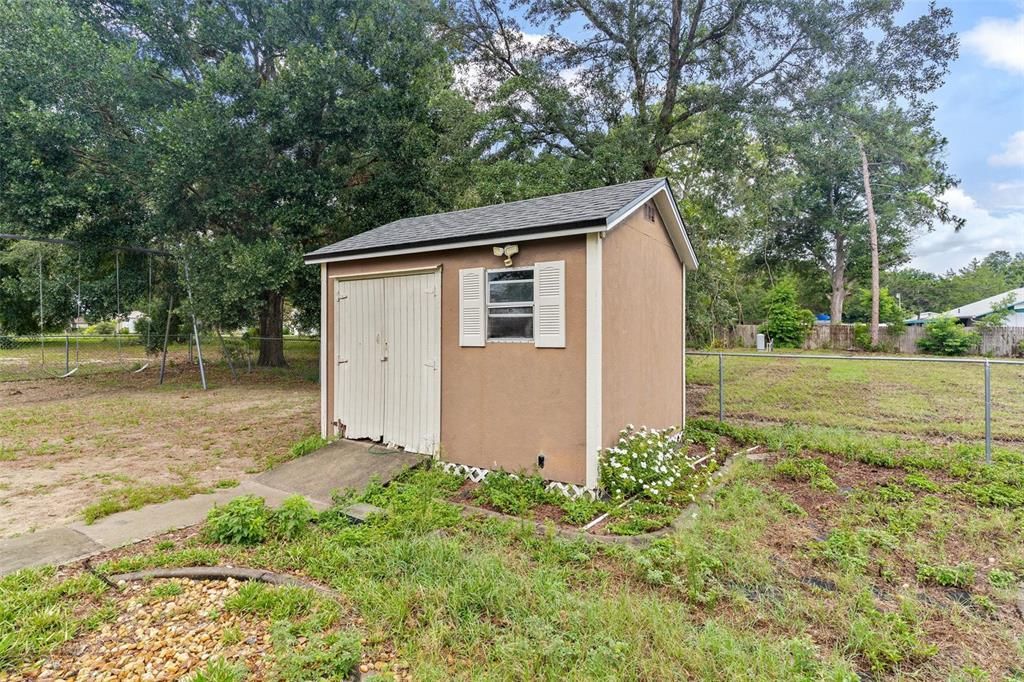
[
  {"x": 921, "y": 318},
  {"x": 972, "y": 312}
]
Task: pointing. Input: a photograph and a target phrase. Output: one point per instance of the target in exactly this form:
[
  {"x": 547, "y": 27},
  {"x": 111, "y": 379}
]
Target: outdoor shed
[{"x": 521, "y": 336}]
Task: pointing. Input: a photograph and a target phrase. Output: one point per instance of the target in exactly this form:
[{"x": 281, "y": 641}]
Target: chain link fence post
[
  {"x": 721, "y": 387},
  {"x": 988, "y": 412}
]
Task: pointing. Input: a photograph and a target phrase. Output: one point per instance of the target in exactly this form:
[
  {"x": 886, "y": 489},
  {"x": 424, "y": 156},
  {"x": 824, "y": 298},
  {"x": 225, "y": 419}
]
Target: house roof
[
  {"x": 592, "y": 210},
  {"x": 984, "y": 306}
]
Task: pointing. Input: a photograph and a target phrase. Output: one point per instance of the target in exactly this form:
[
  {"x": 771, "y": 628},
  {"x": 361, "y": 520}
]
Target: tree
[
  {"x": 889, "y": 310},
  {"x": 643, "y": 77},
  {"x": 785, "y": 322},
  {"x": 291, "y": 124}
]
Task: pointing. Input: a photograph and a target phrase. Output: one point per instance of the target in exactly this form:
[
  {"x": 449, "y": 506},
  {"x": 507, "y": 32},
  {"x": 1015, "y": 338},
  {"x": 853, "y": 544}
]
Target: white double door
[{"x": 388, "y": 359}]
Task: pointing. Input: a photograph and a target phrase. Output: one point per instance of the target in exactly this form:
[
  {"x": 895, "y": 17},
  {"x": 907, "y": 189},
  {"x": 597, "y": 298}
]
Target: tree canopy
[{"x": 239, "y": 134}]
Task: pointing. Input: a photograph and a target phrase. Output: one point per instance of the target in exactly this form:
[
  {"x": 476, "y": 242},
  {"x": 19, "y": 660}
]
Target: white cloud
[
  {"x": 983, "y": 233},
  {"x": 1013, "y": 154},
  {"x": 1000, "y": 42}
]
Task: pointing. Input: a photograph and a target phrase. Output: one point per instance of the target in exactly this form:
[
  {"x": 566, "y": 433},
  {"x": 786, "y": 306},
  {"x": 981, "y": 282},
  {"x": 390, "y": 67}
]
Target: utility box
[{"x": 760, "y": 342}]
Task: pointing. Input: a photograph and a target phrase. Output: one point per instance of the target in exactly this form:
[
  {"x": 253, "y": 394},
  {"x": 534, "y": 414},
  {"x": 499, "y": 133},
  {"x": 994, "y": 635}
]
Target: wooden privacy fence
[{"x": 997, "y": 342}]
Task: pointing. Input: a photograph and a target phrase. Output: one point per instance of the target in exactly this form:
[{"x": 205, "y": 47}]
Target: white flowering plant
[{"x": 648, "y": 463}]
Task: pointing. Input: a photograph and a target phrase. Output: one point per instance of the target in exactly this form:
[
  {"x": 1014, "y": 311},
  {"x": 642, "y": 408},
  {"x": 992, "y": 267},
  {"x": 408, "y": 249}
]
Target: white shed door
[
  {"x": 390, "y": 388},
  {"x": 359, "y": 379}
]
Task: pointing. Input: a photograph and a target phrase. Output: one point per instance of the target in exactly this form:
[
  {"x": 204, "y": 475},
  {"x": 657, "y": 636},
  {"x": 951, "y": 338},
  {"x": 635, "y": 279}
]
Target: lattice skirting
[{"x": 477, "y": 474}]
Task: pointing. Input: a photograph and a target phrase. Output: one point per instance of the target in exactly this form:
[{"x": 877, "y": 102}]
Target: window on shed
[{"x": 510, "y": 304}]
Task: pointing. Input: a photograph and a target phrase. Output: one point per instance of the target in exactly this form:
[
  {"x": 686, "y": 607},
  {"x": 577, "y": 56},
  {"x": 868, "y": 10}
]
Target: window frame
[{"x": 489, "y": 305}]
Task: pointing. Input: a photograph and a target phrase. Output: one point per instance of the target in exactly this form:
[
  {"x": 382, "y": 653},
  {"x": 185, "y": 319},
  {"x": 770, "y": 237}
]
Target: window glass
[
  {"x": 510, "y": 304},
  {"x": 511, "y": 292},
  {"x": 510, "y": 327}
]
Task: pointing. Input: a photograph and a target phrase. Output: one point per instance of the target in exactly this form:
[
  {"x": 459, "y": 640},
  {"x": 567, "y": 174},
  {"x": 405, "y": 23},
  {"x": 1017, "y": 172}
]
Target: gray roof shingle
[{"x": 557, "y": 211}]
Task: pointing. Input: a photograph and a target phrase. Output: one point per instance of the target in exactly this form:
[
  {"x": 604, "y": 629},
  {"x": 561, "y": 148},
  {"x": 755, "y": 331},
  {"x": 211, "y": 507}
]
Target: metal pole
[
  {"x": 721, "y": 387},
  {"x": 42, "y": 339},
  {"x": 195, "y": 329},
  {"x": 988, "y": 412},
  {"x": 167, "y": 335},
  {"x": 67, "y": 354}
]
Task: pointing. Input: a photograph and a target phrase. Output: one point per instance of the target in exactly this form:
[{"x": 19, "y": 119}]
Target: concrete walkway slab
[
  {"x": 53, "y": 546},
  {"x": 341, "y": 465}
]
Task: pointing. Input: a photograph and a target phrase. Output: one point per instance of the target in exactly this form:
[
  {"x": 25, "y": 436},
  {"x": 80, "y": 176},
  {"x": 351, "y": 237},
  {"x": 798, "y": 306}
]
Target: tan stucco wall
[
  {"x": 642, "y": 370},
  {"x": 503, "y": 404}
]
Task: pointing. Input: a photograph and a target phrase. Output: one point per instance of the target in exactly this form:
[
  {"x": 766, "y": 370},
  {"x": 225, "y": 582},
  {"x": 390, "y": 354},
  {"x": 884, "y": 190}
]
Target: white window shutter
[
  {"x": 472, "y": 310},
  {"x": 549, "y": 304}
]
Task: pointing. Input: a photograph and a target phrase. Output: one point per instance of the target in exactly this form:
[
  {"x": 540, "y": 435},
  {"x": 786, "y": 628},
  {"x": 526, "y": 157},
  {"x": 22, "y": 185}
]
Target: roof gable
[{"x": 593, "y": 210}]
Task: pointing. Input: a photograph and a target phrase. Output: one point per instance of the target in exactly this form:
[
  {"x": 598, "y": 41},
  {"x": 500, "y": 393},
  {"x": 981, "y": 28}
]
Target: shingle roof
[{"x": 550, "y": 213}]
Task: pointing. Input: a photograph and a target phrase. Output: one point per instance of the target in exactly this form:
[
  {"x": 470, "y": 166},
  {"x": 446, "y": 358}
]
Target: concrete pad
[
  {"x": 53, "y": 546},
  {"x": 126, "y": 527},
  {"x": 340, "y": 465},
  {"x": 362, "y": 511}
]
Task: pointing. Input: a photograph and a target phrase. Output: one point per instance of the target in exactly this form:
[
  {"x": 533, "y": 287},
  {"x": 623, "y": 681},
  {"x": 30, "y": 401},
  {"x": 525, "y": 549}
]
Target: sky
[{"x": 980, "y": 110}]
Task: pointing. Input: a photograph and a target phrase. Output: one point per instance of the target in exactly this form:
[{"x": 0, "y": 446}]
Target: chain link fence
[
  {"x": 25, "y": 358},
  {"x": 975, "y": 401}
]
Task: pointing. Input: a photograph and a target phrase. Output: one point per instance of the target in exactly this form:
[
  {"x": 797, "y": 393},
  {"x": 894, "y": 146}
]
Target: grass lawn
[
  {"x": 91, "y": 445},
  {"x": 931, "y": 400},
  {"x": 833, "y": 556}
]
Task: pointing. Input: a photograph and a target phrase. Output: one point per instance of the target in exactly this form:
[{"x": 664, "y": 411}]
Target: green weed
[
  {"x": 39, "y": 612},
  {"x": 1002, "y": 579},
  {"x": 886, "y": 640},
  {"x": 961, "y": 575},
  {"x": 921, "y": 482},
  {"x": 244, "y": 520},
  {"x": 813, "y": 470},
  {"x": 292, "y": 518},
  {"x": 273, "y": 602},
  {"x": 139, "y": 495},
  {"x": 511, "y": 494},
  {"x": 219, "y": 670},
  {"x": 165, "y": 590}
]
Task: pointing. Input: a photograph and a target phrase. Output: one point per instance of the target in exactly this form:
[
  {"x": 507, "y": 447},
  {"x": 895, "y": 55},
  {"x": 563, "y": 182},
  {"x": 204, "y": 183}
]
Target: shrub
[
  {"x": 946, "y": 336},
  {"x": 101, "y": 328},
  {"x": 6, "y": 342},
  {"x": 785, "y": 322},
  {"x": 292, "y": 518},
  {"x": 647, "y": 462},
  {"x": 242, "y": 521}
]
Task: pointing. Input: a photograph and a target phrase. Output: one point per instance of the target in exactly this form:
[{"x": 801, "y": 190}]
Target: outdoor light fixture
[{"x": 506, "y": 251}]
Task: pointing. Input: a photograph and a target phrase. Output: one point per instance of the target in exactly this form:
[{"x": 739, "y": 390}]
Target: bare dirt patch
[{"x": 63, "y": 443}]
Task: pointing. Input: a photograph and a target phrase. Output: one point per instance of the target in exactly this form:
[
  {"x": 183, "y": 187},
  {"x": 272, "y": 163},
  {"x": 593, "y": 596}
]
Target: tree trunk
[
  {"x": 873, "y": 231},
  {"x": 272, "y": 331},
  {"x": 838, "y": 296}
]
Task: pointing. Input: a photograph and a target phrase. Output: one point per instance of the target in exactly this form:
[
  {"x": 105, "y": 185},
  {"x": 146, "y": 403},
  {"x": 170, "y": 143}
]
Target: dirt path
[{"x": 63, "y": 443}]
